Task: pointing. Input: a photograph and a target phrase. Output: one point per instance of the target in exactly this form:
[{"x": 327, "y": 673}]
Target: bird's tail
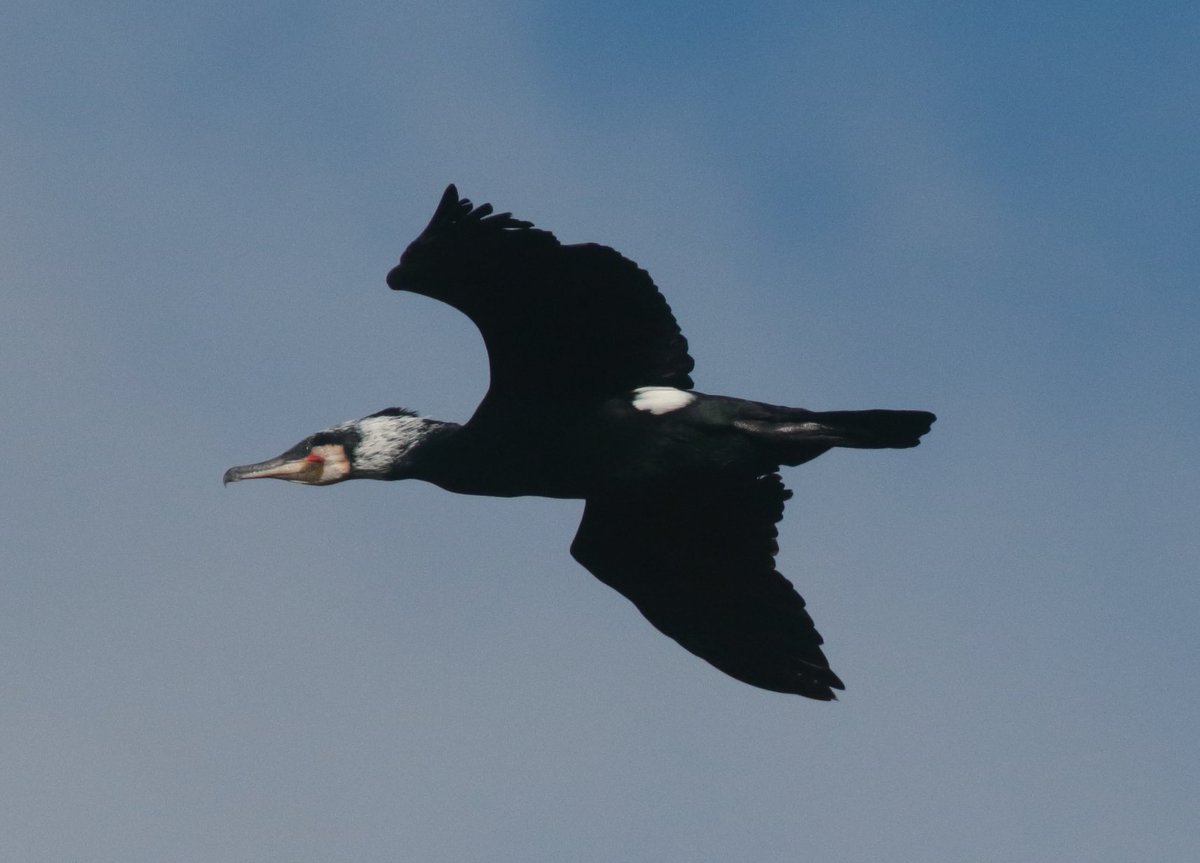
[{"x": 794, "y": 435}]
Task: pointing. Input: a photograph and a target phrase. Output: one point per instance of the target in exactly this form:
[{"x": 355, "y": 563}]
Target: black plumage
[{"x": 591, "y": 397}]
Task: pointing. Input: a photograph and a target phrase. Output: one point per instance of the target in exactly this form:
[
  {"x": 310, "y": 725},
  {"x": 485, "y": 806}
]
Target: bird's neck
[
  {"x": 398, "y": 445},
  {"x": 431, "y": 455},
  {"x": 507, "y": 462}
]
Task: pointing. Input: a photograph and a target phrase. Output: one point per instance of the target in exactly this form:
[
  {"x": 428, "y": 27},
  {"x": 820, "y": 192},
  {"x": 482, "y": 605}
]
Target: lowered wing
[
  {"x": 698, "y": 560},
  {"x": 563, "y": 325}
]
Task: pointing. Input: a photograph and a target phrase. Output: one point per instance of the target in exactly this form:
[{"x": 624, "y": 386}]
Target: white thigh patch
[{"x": 661, "y": 400}]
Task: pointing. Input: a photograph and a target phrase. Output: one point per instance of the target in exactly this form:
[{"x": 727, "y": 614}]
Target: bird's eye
[{"x": 315, "y": 458}]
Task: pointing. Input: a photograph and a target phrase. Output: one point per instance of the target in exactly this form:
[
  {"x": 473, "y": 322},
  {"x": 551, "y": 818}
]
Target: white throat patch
[{"x": 661, "y": 400}]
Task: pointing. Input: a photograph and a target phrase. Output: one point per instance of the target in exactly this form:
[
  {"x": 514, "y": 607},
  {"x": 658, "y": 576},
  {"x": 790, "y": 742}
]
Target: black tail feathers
[
  {"x": 793, "y": 436},
  {"x": 875, "y": 429}
]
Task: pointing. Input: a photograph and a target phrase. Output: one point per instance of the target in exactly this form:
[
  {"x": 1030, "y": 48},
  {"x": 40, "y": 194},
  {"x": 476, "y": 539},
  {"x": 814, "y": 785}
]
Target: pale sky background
[{"x": 989, "y": 210}]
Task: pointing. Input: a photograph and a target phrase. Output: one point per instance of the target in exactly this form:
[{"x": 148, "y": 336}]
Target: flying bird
[{"x": 591, "y": 397}]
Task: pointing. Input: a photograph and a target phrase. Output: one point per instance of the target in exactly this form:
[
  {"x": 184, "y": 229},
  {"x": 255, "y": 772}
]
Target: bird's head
[{"x": 374, "y": 447}]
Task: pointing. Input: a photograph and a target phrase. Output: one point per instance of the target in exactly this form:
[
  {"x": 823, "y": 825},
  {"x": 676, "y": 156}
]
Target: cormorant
[{"x": 591, "y": 397}]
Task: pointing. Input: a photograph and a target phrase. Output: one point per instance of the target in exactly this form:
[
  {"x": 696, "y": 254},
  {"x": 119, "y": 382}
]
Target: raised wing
[
  {"x": 563, "y": 325},
  {"x": 698, "y": 560}
]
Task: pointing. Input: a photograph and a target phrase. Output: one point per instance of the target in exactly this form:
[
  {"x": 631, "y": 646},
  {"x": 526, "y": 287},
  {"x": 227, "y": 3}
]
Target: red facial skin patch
[{"x": 314, "y": 458}]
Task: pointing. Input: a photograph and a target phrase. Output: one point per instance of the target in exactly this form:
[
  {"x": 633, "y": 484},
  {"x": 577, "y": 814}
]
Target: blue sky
[{"x": 986, "y": 210}]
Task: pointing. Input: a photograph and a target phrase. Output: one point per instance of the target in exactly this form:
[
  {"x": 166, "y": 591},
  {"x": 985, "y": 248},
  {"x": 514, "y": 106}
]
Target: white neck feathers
[{"x": 386, "y": 440}]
